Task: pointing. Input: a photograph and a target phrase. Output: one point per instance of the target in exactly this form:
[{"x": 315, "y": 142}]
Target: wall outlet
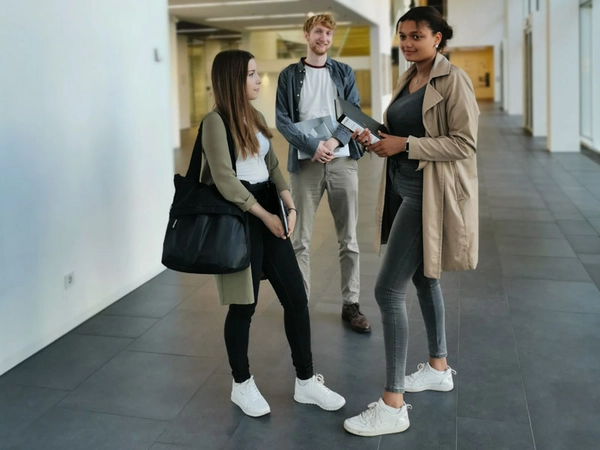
[{"x": 69, "y": 280}]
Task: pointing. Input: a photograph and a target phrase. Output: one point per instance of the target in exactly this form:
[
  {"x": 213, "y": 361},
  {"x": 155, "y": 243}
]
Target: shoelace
[
  {"x": 414, "y": 376},
  {"x": 252, "y": 391},
  {"x": 371, "y": 415},
  {"x": 320, "y": 383},
  {"x": 421, "y": 368},
  {"x": 354, "y": 310}
]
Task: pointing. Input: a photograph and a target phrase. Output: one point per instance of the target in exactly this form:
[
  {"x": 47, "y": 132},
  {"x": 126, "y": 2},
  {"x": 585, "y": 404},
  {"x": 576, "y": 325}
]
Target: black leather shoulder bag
[{"x": 206, "y": 233}]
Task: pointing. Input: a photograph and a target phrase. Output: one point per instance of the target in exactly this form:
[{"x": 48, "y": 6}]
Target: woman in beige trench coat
[{"x": 427, "y": 211}]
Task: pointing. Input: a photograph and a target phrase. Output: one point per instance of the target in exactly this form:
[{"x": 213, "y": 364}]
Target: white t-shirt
[
  {"x": 317, "y": 100},
  {"x": 254, "y": 169}
]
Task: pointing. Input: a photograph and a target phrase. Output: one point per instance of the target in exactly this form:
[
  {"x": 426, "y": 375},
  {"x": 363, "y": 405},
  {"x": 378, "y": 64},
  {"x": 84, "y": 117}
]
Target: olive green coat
[
  {"x": 447, "y": 158},
  {"x": 233, "y": 288}
]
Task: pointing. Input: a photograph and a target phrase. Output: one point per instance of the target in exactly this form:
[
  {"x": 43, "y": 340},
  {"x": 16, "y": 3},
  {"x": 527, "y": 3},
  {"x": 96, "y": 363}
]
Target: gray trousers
[
  {"x": 340, "y": 179},
  {"x": 403, "y": 262}
]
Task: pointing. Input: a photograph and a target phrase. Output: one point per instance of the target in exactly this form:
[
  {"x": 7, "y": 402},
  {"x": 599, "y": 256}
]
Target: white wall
[
  {"x": 477, "y": 24},
  {"x": 183, "y": 83},
  {"x": 86, "y": 161},
  {"x": 174, "y": 82}
]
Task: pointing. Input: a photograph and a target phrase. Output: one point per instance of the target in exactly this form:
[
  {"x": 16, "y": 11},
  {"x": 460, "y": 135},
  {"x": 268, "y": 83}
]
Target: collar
[
  {"x": 441, "y": 68},
  {"x": 300, "y": 64}
]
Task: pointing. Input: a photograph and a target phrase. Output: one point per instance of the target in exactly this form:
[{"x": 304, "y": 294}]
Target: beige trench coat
[
  {"x": 447, "y": 157},
  {"x": 232, "y": 288}
]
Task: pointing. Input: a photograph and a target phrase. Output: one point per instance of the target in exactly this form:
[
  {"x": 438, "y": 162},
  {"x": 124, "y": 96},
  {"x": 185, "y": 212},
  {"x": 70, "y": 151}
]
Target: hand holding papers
[
  {"x": 354, "y": 119},
  {"x": 321, "y": 128}
]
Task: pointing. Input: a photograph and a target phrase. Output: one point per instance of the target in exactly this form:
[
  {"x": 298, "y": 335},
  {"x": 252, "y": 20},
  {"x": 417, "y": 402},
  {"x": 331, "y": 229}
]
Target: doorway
[{"x": 478, "y": 63}]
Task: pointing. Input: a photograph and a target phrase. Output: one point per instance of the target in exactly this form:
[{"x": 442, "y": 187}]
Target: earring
[{"x": 436, "y": 45}]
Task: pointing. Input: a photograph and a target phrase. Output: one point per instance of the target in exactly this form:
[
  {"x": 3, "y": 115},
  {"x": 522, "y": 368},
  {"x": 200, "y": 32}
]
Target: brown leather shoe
[{"x": 358, "y": 322}]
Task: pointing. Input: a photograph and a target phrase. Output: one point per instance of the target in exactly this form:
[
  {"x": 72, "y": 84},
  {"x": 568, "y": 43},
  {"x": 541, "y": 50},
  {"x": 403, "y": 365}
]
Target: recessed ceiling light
[
  {"x": 228, "y": 3},
  {"x": 289, "y": 25},
  {"x": 198, "y": 30},
  {"x": 272, "y": 16}
]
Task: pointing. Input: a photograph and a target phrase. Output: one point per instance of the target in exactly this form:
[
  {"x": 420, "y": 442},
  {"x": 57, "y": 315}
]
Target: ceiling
[{"x": 214, "y": 17}]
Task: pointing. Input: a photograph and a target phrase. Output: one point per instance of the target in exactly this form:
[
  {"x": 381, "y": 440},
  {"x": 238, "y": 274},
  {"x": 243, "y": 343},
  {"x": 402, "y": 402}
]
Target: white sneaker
[
  {"x": 247, "y": 396},
  {"x": 379, "y": 419},
  {"x": 314, "y": 392},
  {"x": 426, "y": 378}
]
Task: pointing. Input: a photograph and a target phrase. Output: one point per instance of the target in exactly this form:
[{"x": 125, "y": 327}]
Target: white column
[
  {"x": 381, "y": 67},
  {"x": 563, "y": 75},
  {"x": 596, "y": 70},
  {"x": 540, "y": 75},
  {"x": 262, "y": 44},
  {"x": 174, "y": 71},
  {"x": 183, "y": 82},
  {"x": 211, "y": 48},
  {"x": 514, "y": 57}
]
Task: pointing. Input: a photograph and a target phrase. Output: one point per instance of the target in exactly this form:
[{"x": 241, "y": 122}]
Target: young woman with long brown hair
[{"x": 253, "y": 186}]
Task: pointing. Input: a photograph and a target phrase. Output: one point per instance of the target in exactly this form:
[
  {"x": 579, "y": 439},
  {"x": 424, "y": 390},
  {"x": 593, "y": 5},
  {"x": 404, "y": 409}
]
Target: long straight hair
[{"x": 229, "y": 74}]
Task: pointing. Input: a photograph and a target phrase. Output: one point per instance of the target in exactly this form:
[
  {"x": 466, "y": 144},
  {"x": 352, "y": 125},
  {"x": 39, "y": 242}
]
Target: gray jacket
[{"x": 289, "y": 86}]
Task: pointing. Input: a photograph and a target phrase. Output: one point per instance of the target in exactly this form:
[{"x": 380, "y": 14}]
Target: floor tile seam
[
  {"x": 80, "y": 333},
  {"x": 97, "y": 411},
  {"x": 183, "y": 300},
  {"x": 131, "y": 315},
  {"x": 66, "y": 391},
  {"x": 591, "y": 154},
  {"x": 170, "y": 444},
  {"x": 546, "y": 202},
  {"x": 578, "y": 184},
  {"x": 520, "y": 366},
  {"x": 23, "y": 432},
  {"x": 155, "y": 324},
  {"x": 545, "y": 257},
  {"x": 179, "y": 414},
  {"x": 529, "y": 238},
  {"x": 121, "y": 315},
  {"x": 101, "y": 366},
  {"x": 525, "y": 254},
  {"x": 169, "y": 354},
  {"x": 548, "y": 279},
  {"x": 159, "y": 283},
  {"x": 559, "y": 311},
  {"x": 485, "y": 419}
]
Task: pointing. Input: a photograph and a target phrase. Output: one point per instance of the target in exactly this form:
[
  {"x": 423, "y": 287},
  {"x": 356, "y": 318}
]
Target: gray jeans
[
  {"x": 403, "y": 261},
  {"x": 339, "y": 178}
]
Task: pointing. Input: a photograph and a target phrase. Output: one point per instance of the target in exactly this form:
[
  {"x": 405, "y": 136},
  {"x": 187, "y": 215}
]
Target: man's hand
[{"x": 323, "y": 154}]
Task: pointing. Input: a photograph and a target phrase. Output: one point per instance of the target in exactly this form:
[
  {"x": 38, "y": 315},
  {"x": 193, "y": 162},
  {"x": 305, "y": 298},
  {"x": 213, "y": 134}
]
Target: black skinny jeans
[{"x": 275, "y": 258}]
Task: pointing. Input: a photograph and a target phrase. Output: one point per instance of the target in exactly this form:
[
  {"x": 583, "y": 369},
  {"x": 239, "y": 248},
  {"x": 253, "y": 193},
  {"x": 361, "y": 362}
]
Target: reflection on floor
[{"x": 150, "y": 371}]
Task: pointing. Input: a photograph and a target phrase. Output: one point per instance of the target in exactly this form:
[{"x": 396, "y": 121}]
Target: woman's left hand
[
  {"x": 291, "y": 219},
  {"x": 388, "y": 145}
]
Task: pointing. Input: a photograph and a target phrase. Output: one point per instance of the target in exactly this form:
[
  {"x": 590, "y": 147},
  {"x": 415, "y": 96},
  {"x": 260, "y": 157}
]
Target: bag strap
[{"x": 193, "y": 172}]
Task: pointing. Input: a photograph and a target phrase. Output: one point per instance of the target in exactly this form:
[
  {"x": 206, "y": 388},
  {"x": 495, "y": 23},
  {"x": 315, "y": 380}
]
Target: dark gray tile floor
[{"x": 150, "y": 371}]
